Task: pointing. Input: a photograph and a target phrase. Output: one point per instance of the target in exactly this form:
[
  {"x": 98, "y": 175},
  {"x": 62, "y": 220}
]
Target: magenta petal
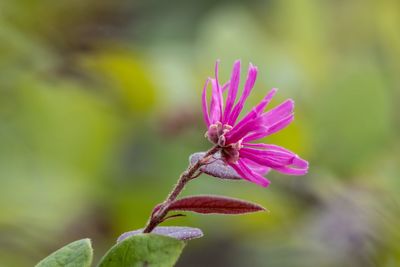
[
  {"x": 225, "y": 86},
  {"x": 263, "y": 159},
  {"x": 297, "y": 161},
  {"x": 204, "y": 104},
  {"x": 219, "y": 89},
  {"x": 256, "y": 129},
  {"x": 279, "y": 112},
  {"x": 282, "y": 156},
  {"x": 215, "y": 105},
  {"x": 300, "y": 163},
  {"x": 293, "y": 170},
  {"x": 256, "y": 111},
  {"x": 278, "y": 158},
  {"x": 251, "y": 78},
  {"x": 267, "y": 146},
  {"x": 269, "y": 130},
  {"x": 246, "y": 126},
  {"x": 260, "y": 169},
  {"x": 280, "y": 124},
  {"x": 252, "y": 126},
  {"x": 264, "y": 103},
  {"x": 233, "y": 89},
  {"x": 246, "y": 173},
  {"x": 298, "y": 167}
]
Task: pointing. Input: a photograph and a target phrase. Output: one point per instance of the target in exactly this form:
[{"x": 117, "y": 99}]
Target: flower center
[{"x": 216, "y": 135}]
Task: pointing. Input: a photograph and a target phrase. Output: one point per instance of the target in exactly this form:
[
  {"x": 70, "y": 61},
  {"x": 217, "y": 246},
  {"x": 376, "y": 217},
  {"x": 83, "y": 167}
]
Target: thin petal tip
[
  {"x": 265, "y": 184},
  {"x": 289, "y": 100},
  {"x": 252, "y": 66},
  {"x": 236, "y": 64},
  {"x": 217, "y": 66}
]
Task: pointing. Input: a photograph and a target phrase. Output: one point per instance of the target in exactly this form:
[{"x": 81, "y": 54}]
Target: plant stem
[{"x": 190, "y": 173}]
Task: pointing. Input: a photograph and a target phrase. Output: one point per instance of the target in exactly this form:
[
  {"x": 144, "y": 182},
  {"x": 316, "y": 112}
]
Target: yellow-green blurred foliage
[{"x": 100, "y": 109}]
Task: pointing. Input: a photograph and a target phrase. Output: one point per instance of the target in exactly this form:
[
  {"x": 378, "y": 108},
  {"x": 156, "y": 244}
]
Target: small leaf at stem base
[
  {"x": 206, "y": 204},
  {"x": 178, "y": 232},
  {"x": 216, "y": 167}
]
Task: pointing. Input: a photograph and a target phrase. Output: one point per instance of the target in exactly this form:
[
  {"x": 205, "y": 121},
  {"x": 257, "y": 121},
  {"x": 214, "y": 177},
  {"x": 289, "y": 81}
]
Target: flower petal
[
  {"x": 263, "y": 146},
  {"x": 260, "y": 169},
  {"x": 276, "y": 157},
  {"x": 252, "y": 126},
  {"x": 251, "y": 79},
  {"x": 225, "y": 86},
  {"x": 265, "y": 158},
  {"x": 268, "y": 123},
  {"x": 279, "y": 112},
  {"x": 246, "y": 173},
  {"x": 219, "y": 89},
  {"x": 204, "y": 104},
  {"x": 300, "y": 167},
  {"x": 233, "y": 89},
  {"x": 257, "y": 110},
  {"x": 269, "y": 130},
  {"x": 215, "y": 105}
]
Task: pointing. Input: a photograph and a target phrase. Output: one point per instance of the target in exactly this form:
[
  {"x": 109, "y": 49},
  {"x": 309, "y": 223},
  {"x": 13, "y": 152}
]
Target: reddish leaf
[{"x": 214, "y": 204}]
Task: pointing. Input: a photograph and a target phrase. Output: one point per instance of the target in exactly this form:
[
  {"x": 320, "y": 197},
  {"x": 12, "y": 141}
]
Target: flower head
[{"x": 250, "y": 160}]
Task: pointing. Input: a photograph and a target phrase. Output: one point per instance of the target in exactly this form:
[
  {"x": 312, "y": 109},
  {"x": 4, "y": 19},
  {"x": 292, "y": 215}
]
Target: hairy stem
[{"x": 190, "y": 173}]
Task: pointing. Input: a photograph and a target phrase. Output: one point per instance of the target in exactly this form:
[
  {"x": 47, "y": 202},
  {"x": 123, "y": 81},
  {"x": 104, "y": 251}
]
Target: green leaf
[
  {"x": 142, "y": 250},
  {"x": 75, "y": 254}
]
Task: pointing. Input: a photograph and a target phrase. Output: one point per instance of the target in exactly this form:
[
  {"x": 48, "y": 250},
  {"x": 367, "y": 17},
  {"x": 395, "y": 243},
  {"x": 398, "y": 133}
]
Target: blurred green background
[{"x": 100, "y": 109}]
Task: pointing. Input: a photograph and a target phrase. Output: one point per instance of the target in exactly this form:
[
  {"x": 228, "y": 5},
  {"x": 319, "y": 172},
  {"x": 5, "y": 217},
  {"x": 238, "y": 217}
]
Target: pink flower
[{"x": 250, "y": 160}]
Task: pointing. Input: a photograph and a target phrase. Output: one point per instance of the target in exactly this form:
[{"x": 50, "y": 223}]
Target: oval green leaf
[
  {"x": 76, "y": 254},
  {"x": 142, "y": 250}
]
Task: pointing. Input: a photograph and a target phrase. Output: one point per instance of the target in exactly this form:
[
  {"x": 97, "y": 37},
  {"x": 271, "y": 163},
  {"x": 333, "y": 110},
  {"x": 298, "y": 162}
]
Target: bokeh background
[{"x": 100, "y": 109}]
